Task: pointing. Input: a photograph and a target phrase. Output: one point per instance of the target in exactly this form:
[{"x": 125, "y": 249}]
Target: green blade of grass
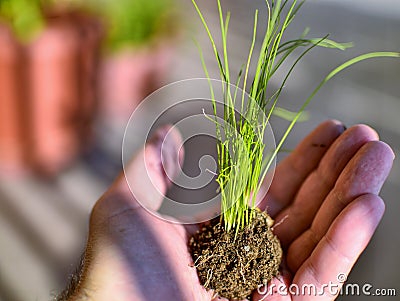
[
  {"x": 334, "y": 72},
  {"x": 240, "y": 150}
]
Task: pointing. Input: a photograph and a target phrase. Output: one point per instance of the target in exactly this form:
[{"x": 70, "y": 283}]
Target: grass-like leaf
[{"x": 240, "y": 149}]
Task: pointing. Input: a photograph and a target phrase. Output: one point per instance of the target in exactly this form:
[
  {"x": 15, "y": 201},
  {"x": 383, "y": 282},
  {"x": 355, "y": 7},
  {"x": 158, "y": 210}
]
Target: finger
[
  {"x": 292, "y": 171},
  {"x": 149, "y": 174},
  {"x": 145, "y": 181},
  {"x": 365, "y": 173},
  {"x": 320, "y": 182},
  {"x": 337, "y": 252}
]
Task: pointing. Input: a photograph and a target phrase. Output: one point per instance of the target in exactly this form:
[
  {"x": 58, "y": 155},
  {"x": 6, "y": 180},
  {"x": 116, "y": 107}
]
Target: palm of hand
[{"x": 325, "y": 193}]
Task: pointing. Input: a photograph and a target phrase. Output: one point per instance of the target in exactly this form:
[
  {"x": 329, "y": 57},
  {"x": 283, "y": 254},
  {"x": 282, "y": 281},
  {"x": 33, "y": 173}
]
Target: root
[
  {"x": 241, "y": 267},
  {"x": 209, "y": 276},
  {"x": 279, "y": 223},
  {"x": 205, "y": 260}
]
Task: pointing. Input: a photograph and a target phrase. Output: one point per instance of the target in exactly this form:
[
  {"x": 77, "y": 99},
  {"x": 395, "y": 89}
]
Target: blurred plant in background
[
  {"x": 138, "y": 23},
  {"x": 25, "y": 17},
  {"x": 138, "y": 48}
]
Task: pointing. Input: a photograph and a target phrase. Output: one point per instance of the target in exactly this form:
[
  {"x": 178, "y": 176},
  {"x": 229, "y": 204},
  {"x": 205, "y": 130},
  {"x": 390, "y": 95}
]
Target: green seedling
[{"x": 241, "y": 161}]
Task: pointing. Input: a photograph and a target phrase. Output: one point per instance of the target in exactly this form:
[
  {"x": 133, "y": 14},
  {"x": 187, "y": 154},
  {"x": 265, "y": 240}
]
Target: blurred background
[{"x": 72, "y": 72}]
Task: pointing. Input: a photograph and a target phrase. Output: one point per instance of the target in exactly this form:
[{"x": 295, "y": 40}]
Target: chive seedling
[{"x": 240, "y": 186}]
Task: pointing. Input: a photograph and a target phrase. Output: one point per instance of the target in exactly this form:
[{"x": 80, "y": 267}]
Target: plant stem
[{"x": 240, "y": 149}]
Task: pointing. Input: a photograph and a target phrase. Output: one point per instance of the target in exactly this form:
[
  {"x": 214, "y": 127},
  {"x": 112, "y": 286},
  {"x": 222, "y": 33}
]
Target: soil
[{"x": 234, "y": 267}]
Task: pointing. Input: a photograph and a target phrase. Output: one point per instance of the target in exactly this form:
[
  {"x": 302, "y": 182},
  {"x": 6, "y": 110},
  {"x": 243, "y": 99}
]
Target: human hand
[
  {"x": 323, "y": 198},
  {"x": 131, "y": 254}
]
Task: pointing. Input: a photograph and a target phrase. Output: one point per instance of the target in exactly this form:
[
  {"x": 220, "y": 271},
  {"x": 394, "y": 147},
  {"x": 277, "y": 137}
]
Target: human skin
[{"x": 325, "y": 193}]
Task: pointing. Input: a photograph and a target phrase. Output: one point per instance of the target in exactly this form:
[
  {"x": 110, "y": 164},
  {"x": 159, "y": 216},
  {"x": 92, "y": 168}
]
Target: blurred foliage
[
  {"x": 129, "y": 23},
  {"x": 136, "y": 23},
  {"x": 25, "y": 16}
]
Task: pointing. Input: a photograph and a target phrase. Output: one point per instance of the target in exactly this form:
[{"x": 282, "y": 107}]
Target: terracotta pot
[
  {"x": 54, "y": 94},
  {"x": 46, "y": 127},
  {"x": 12, "y": 104},
  {"x": 127, "y": 77},
  {"x": 62, "y": 83},
  {"x": 90, "y": 33}
]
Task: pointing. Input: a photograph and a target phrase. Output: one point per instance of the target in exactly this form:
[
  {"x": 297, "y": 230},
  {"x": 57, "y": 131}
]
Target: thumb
[
  {"x": 148, "y": 175},
  {"x": 152, "y": 170}
]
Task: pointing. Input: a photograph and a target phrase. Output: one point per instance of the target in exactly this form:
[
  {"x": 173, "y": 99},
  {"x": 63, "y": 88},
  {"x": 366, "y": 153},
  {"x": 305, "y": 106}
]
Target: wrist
[{"x": 102, "y": 276}]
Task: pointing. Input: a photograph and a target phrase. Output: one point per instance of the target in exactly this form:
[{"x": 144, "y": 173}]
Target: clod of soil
[{"x": 234, "y": 267}]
